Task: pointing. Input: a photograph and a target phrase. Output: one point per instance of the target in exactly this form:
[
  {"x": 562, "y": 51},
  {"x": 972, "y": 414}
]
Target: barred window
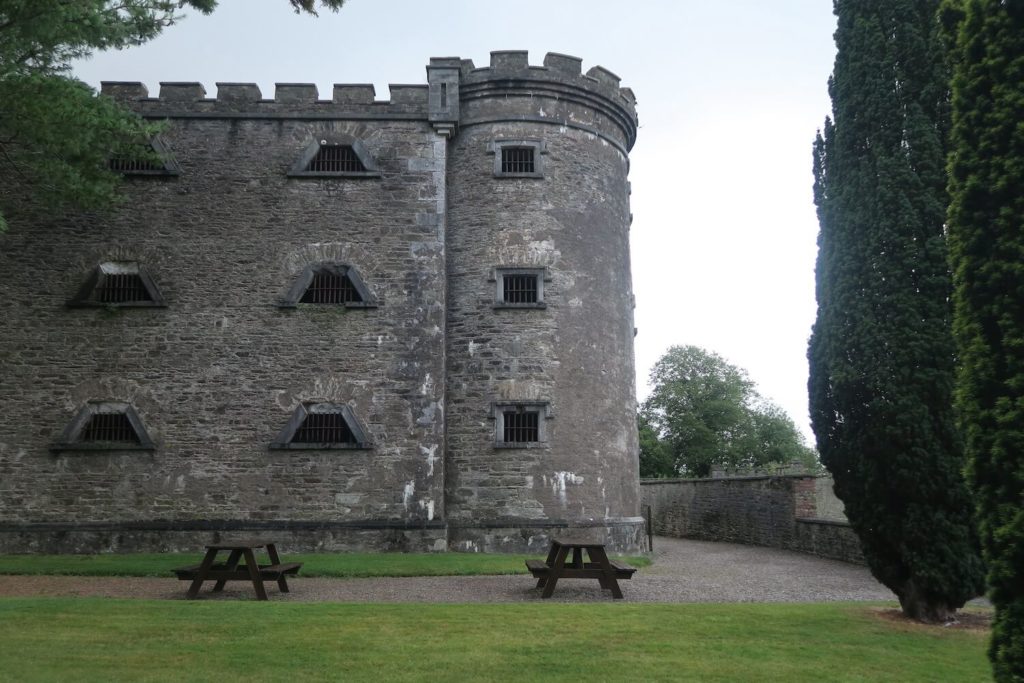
[
  {"x": 121, "y": 288},
  {"x": 336, "y": 159},
  {"x": 129, "y": 165},
  {"x": 152, "y": 159},
  {"x": 519, "y": 287},
  {"x": 329, "y": 284},
  {"x": 118, "y": 283},
  {"x": 520, "y": 424},
  {"x": 517, "y": 160},
  {"x": 108, "y": 427},
  {"x": 329, "y": 287},
  {"x": 322, "y": 426},
  {"x": 337, "y": 156},
  {"x": 105, "y": 425}
]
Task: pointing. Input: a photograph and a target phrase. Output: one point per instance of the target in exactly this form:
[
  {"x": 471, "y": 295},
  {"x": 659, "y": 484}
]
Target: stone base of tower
[
  {"x": 506, "y": 536},
  {"x": 372, "y": 536}
]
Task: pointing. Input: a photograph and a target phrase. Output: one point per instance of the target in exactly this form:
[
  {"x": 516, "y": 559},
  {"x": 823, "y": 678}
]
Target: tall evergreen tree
[
  {"x": 986, "y": 236},
  {"x": 881, "y": 352}
]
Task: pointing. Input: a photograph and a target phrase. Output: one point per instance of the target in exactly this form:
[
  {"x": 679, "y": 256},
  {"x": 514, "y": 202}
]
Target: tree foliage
[
  {"x": 655, "y": 456},
  {"x": 704, "y": 412},
  {"x": 881, "y": 352},
  {"x": 56, "y": 133},
  {"x": 986, "y": 237}
]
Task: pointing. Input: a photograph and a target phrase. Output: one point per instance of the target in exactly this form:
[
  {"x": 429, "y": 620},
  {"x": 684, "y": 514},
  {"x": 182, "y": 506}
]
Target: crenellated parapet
[
  {"x": 557, "y": 67},
  {"x": 457, "y": 94},
  {"x": 298, "y": 100},
  {"x": 558, "y": 91}
]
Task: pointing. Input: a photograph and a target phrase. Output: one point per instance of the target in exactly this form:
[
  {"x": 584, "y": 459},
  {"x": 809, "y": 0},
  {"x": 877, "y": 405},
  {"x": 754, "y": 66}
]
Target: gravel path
[{"x": 683, "y": 571}]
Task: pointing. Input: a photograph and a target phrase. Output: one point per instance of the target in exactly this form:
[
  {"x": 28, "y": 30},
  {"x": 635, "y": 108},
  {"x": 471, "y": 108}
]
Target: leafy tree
[
  {"x": 986, "y": 237},
  {"x": 881, "y": 352},
  {"x": 656, "y": 459},
  {"x": 56, "y": 133},
  {"x": 704, "y": 412},
  {"x": 775, "y": 438}
]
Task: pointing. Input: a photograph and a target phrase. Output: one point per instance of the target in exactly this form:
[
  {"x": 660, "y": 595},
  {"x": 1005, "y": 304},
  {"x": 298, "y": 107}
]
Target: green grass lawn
[
  {"x": 58, "y": 639},
  {"x": 319, "y": 564}
]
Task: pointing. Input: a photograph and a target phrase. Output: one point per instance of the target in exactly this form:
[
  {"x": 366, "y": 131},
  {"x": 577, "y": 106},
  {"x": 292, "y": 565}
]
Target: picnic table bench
[
  {"x": 230, "y": 570},
  {"x": 555, "y": 567}
]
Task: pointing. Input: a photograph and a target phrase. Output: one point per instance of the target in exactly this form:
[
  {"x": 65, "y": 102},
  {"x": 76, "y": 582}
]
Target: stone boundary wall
[{"x": 791, "y": 512}]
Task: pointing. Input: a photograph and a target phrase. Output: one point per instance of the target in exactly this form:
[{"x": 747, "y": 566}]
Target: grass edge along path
[
  {"x": 141, "y": 640},
  {"x": 336, "y": 565}
]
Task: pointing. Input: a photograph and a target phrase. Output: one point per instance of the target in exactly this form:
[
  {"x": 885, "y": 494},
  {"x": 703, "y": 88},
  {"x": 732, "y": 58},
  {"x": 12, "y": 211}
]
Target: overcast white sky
[{"x": 730, "y": 95}]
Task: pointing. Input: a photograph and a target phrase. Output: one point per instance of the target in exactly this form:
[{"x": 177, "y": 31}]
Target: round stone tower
[{"x": 540, "y": 400}]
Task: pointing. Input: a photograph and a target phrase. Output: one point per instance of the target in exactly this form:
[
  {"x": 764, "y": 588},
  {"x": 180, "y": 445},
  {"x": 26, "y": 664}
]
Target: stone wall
[
  {"x": 217, "y": 373},
  {"x": 792, "y": 512},
  {"x": 570, "y": 223}
]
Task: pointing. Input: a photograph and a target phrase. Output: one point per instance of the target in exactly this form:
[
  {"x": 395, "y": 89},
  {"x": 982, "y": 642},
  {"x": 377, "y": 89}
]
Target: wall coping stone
[
  {"x": 741, "y": 477},
  {"x": 819, "y": 520}
]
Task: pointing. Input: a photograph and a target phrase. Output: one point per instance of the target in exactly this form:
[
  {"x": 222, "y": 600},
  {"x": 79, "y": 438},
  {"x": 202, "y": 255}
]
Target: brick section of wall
[
  {"x": 774, "y": 511},
  {"x": 805, "y": 500}
]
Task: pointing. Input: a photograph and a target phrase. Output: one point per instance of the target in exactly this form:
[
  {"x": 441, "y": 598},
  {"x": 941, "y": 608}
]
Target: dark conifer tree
[
  {"x": 881, "y": 352},
  {"x": 986, "y": 236}
]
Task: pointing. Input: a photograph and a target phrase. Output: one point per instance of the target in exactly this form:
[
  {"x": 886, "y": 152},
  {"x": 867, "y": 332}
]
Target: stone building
[{"x": 343, "y": 322}]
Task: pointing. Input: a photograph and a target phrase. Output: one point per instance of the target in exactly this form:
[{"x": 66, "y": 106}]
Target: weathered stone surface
[
  {"x": 126, "y": 540},
  {"x": 216, "y": 374},
  {"x": 776, "y": 511}
]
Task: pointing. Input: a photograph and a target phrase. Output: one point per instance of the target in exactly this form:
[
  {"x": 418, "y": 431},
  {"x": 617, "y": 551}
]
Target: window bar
[
  {"x": 517, "y": 160},
  {"x": 330, "y": 288},
  {"x": 521, "y": 427},
  {"x": 109, "y": 427},
  {"x": 336, "y": 159},
  {"x": 129, "y": 165},
  {"x": 118, "y": 288},
  {"x": 519, "y": 289},
  {"x": 324, "y": 428}
]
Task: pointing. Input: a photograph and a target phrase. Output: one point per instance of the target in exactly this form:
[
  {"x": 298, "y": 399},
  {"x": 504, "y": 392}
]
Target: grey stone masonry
[
  {"x": 413, "y": 375},
  {"x": 790, "y": 511}
]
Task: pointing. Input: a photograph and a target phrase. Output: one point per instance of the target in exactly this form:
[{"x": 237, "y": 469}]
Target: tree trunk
[{"x": 917, "y": 606}]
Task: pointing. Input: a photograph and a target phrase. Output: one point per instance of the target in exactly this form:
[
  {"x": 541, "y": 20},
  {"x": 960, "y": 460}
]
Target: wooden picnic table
[
  {"x": 559, "y": 566},
  {"x": 209, "y": 570}
]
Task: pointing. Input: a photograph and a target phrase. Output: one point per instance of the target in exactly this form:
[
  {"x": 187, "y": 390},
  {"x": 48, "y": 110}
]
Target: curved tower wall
[{"x": 572, "y": 359}]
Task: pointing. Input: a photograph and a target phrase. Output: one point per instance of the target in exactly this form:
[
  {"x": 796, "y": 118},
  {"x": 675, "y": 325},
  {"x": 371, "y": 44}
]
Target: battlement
[
  {"x": 451, "y": 80},
  {"x": 191, "y": 97},
  {"x": 557, "y": 67},
  {"x": 594, "y": 97}
]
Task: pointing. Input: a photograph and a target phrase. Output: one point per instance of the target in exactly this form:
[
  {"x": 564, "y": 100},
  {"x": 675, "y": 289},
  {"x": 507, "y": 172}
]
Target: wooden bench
[
  {"x": 271, "y": 572},
  {"x": 565, "y": 561},
  {"x": 540, "y": 570},
  {"x": 241, "y": 565}
]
